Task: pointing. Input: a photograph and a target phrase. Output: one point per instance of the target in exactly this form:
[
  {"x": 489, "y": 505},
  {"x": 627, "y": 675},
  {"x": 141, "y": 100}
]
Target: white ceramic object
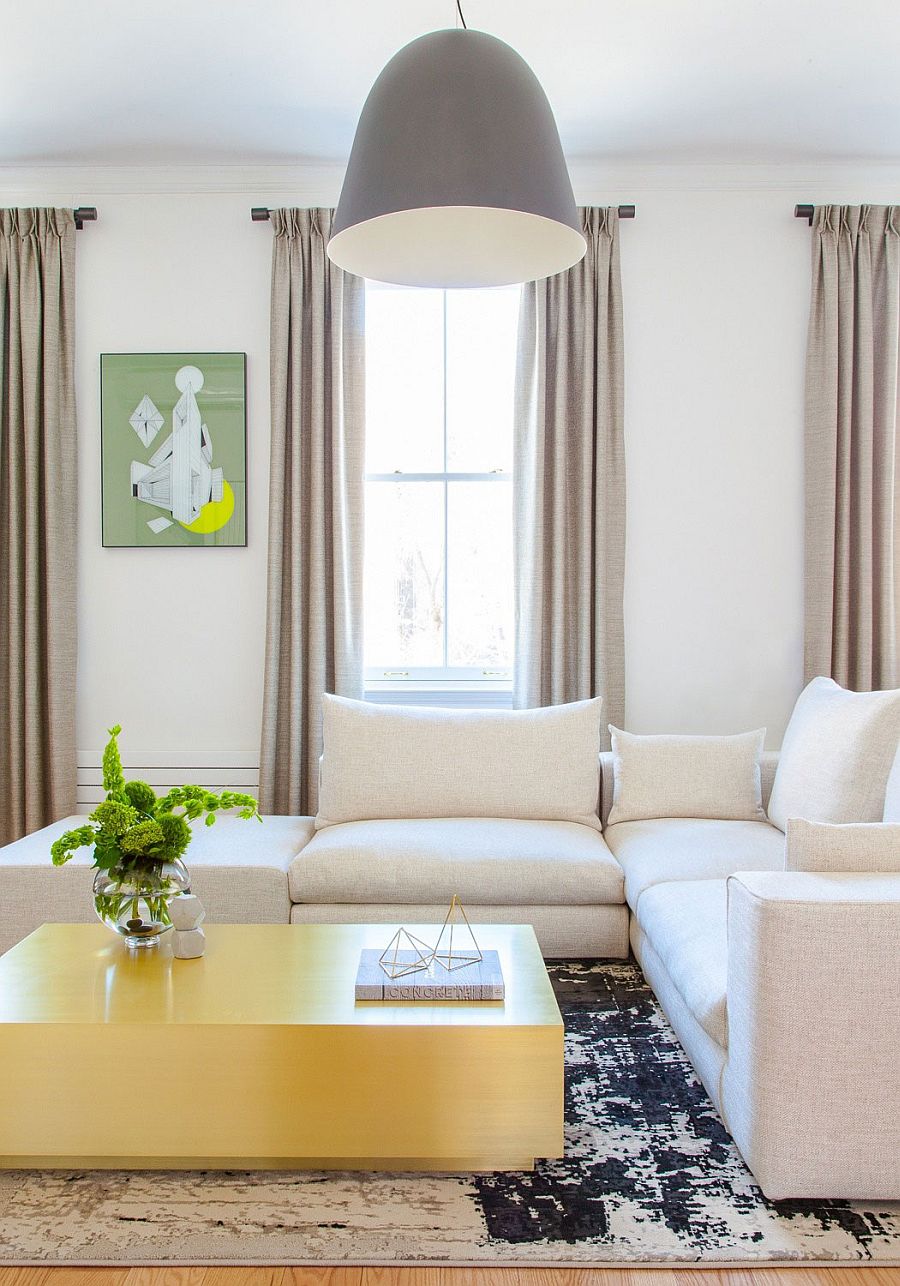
[
  {"x": 188, "y": 944},
  {"x": 186, "y": 912},
  {"x": 188, "y": 939}
]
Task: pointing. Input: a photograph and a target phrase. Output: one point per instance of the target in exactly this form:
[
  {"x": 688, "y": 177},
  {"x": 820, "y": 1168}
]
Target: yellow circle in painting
[{"x": 213, "y": 515}]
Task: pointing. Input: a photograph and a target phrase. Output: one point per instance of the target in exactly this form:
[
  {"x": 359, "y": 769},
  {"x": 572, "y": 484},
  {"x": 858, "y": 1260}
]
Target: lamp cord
[{"x": 461, "y": 15}]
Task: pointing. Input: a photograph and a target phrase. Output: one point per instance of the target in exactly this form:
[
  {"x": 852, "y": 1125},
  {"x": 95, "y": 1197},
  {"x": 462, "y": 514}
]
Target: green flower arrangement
[{"x": 135, "y": 834}]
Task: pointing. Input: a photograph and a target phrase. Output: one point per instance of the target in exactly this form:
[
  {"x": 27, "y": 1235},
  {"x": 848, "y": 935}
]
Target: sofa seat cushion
[
  {"x": 494, "y": 861},
  {"x": 682, "y": 848},
  {"x": 686, "y": 923}
]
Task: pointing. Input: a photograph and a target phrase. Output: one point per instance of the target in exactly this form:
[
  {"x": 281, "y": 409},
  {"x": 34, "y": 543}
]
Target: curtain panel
[
  {"x": 38, "y": 513},
  {"x": 853, "y": 448},
  {"x": 315, "y": 563},
  {"x": 569, "y": 481}
]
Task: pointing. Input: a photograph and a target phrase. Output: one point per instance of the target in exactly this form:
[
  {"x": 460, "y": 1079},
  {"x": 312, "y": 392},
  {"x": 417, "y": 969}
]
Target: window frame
[{"x": 494, "y": 683}]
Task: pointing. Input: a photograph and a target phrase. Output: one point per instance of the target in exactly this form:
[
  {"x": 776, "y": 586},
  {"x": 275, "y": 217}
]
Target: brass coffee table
[{"x": 257, "y": 1056}]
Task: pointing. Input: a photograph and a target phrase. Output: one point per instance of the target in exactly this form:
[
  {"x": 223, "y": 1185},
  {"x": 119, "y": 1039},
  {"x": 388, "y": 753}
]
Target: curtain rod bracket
[
  {"x": 805, "y": 212},
  {"x": 84, "y": 214}
]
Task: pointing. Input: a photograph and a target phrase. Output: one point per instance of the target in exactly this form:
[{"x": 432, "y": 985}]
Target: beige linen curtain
[
  {"x": 314, "y": 618},
  {"x": 569, "y": 481},
  {"x": 853, "y": 448},
  {"x": 38, "y": 512}
]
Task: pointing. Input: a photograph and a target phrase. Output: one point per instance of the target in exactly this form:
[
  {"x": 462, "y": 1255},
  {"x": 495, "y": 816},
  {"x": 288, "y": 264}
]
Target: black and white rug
[{"x": 649, "y": 1176}]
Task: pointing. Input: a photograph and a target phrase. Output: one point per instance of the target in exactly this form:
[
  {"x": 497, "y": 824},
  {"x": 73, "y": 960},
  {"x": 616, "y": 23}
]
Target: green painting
[{"x": 174, "y": 445}]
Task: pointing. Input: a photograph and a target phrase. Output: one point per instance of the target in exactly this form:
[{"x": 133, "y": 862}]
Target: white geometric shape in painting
[
  {"x": 180, "y": 477},
  {"x": 157, "y": 525},
  {"x": 146, "y": 419},
  {"x": 189, "y": 377}
]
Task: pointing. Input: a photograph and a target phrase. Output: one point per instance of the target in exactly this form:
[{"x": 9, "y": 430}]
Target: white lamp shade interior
[{"x": 457, "y": 246}]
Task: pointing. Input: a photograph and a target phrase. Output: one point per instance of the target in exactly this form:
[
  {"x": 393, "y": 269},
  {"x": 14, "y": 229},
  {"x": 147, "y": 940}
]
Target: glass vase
[{"x": 134, "y": 901}]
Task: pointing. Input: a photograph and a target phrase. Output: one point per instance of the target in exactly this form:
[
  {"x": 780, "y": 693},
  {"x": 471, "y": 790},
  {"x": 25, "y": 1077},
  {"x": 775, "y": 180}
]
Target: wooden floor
[{"x": 448, "y": 1277}]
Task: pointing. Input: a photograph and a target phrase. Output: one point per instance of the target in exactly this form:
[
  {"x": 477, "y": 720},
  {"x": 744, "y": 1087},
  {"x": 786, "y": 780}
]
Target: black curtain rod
[
  {"x": 260, "y": 213},
  {"x": 805, "y": 212},
  {"x": 84, "y": 214}
]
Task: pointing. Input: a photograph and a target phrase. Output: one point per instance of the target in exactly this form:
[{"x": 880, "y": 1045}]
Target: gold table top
[{"x": 267, "y": 974}]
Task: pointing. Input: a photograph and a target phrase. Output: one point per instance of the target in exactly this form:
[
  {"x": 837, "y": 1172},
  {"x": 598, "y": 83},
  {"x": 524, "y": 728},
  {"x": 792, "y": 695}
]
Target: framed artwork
[{"x": 173, "y": 434}]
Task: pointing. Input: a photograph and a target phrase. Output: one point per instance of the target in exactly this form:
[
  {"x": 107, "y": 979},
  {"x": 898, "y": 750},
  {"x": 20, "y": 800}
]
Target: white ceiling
[{"x": 183, "y": 81}]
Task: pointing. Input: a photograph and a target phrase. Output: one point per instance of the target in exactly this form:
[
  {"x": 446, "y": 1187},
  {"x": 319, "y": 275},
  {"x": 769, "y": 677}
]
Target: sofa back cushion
[
  {"x": 685, "y": 776},
  {"x": 892, "y": 793},
  {"x": 837, "y": 754},
  {"x": 402, "y": 761},
  {"x": 860, "y": 848}
]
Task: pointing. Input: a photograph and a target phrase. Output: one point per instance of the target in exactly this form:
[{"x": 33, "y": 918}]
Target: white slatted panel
[{"x": 217, "y": 769}]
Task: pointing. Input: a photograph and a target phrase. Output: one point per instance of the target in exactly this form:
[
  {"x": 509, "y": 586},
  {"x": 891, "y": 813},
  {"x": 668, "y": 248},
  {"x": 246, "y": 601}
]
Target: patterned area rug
[{"x": 649, "y": 1176}]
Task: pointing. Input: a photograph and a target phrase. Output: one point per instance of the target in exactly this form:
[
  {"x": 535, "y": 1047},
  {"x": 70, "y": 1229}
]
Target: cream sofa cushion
[
  {"x": 687, "y": 926},
  {"x": 892, "y": 793},
  {"x": 397, "y": 761},
  {"x": 483, "y": 860},
  {"x": 837, "y": 754},
  {"x": 859, "y": 847},
  {"x": 768, "y": 762},
  {"x": 685, "y": 776},
  {"x": 658, "y": 852}
]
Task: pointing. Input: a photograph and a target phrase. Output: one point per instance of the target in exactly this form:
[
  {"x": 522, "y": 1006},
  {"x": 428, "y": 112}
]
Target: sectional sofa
[{"x": 777, "y": 960}]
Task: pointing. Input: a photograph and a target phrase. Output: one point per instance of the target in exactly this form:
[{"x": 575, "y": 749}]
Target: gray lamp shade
[{"x": 457, "y": 175}]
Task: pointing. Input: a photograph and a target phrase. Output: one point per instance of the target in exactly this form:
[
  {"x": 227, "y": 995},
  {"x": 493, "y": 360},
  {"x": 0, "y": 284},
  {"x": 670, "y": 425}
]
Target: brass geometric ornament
[
  {"x": 456, "y": 946},
  {"x": 405, "y": 954}
]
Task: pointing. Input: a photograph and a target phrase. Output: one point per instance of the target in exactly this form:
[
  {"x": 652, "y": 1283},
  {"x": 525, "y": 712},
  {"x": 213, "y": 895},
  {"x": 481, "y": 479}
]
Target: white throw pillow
[
  {"x": 837, "y": 753},
  {"x": 406, "y": 761},
  {"x": 681, "y": 776},
  {"x": 892, "y": 794},
  {"x": 858, "y": 847}
]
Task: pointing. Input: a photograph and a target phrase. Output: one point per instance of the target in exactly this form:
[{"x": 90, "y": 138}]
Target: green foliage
[
  {"x": 114, "y": 817},
  {"x": 67, "y": 845},
  {"x": 142, "y": 840},
  {"x": 176, "y": 834},
  {"x": 132, "y": 828},
  {"x": 113, "y": 777},
  {"x": 107, "y": 853},
  {"x": 140, "y": 796},
  {"x": 196, "y": 801}
]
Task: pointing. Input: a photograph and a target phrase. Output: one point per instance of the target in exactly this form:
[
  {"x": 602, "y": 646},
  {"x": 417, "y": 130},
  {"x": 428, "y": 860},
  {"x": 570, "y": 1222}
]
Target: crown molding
[
  {"x": 317, "y": 183},
  {"x": 618, "y": 179},
  {"x": 305, "y": 184}
]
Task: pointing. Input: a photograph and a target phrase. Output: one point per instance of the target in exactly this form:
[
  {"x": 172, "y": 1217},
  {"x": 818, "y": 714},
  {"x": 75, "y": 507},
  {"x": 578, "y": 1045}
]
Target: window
[{"x": 440, "y": 367}]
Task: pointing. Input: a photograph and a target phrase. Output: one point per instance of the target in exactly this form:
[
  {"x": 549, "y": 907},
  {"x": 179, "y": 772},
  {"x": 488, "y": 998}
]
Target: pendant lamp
[{"x": 456, "y": 176}]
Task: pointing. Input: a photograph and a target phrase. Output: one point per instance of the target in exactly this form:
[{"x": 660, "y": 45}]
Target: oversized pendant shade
[{"x": 457, "y": 175}]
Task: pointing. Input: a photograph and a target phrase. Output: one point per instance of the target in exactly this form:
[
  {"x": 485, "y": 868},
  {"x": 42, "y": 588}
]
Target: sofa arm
[{"x": 811, "y": 1090}]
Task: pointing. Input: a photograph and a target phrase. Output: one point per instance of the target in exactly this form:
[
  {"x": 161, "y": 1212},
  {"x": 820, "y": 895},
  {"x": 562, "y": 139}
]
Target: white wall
[{"x": 715, "y": 276}]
